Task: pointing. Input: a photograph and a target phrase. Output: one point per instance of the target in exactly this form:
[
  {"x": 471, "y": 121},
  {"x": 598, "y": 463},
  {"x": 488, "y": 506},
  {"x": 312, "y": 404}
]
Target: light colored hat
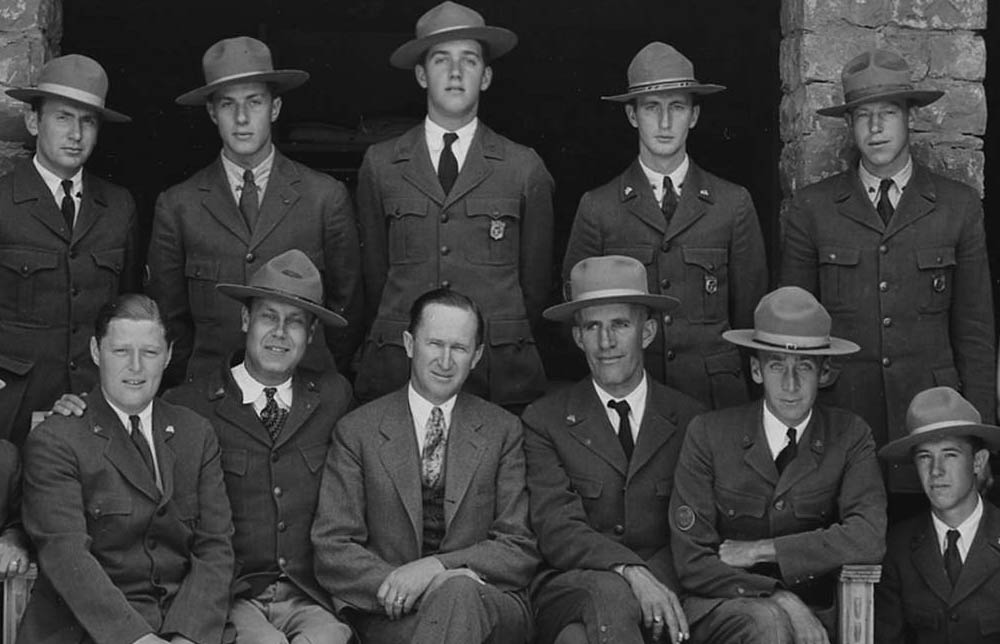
[
  {"x": 611, "y": 279},
  {"x": 451, "y": 21},
  {"x": 658, "y": 67},
  {"x": 938, "y": 413},
  {"x": 878, "y": 75},
  {"x": 75, "y": 78},
  {"x": 290, "y": 277},
  {"x": 240, "y": 60},
  {"x": 791, "y": 320}
]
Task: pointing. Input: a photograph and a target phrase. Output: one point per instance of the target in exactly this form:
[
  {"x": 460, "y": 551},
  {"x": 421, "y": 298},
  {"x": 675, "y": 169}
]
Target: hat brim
[
  {"x": 498, "y": 42},
  {"x": 280, "y": 80},
  {"x": 900, "y": 450},
  {"x": 744, "y": 338},
  {"x": 243, "y": 293},
  {"x": 918, "y": 97},
  {"x": 566, "y": 310},
  {"x": 28, "y": 94},
  {"x": 699, "y": 88}
]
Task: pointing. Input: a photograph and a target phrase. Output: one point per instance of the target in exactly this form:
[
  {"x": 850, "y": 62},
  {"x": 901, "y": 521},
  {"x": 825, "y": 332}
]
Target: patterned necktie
[
  {"x": 249, "y": 202},
  {"x": 448, "y": 164},
  {"x": 788, "y": 452},
  {"x": 624, "y": 426},
  {"x": 68, "y": 205},
  {"x": 884, "y": 206},
  {"x": 139, "y": 440},
  {"x": 432, "y": 459},
  {"x": 952, "y": 560},
  {"x": 669, "y": 204},
  {"x": 272, "y": 415}
]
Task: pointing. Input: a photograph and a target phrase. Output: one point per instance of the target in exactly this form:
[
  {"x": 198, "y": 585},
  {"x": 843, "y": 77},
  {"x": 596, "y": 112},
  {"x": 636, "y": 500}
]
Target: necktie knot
[
  {"x": 624, "y": 426},
  {"x": 792, "y": 434},
  {"x": 269, "y": 392},
  {"x": 67, "y": 187},
  {"x": 953, "y": 536},
  {"x": 68, "y": 204},
  {"x": 788, "y": 452},
  {"x": 620, "y": 406},
  {"x": 449, "y": 138},
  {"x": 133, "y": 422}
]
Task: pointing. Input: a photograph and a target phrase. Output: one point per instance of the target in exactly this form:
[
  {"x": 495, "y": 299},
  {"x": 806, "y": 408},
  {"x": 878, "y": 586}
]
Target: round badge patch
[{"x": 685, "y": 518}]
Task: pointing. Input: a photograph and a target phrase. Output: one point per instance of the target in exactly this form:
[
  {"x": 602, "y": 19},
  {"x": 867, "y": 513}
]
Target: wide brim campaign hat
[
  {"x": 935, "y": 414},
  {"x": 609, "y": 279},
  {"x": 658, "y": 67},
  {"x": 290, "y": 277},
  {"x": 240, "y": 60},
  {"x": 75, "y": 78},
  {"x": 452, "y": 21},
  {"x": 878, "y": 75},
  {"x": 791, "y": 320}
]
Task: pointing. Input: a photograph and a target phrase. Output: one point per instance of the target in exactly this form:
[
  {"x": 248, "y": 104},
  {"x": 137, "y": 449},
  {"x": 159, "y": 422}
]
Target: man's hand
[
  {"x": 746, "y": 554},
  {"x": 805, "y": 624},
  {"x": 70, "y": 405},
  {"x": 406, "y": 584},
  {"x": 659, "y": 604},
  {"x": 150, "y": 638},
  {"x": 13, "y": 554}
]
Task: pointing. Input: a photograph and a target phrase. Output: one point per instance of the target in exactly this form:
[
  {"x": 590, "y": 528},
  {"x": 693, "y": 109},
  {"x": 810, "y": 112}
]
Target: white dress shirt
[
  {"x": 54, "y": 183},
  {"x": 899, "y": 181},
  {"x": 460, "y": 148},
  {"x": 261, "y": 175},
  {"x": 656, "y": 178},
  {"x": 966, "y": 530},
  {"x": 777, "y": 431},
  {"x": 636, "y": 402},
  {"x": 253, "y": 391},
  {"x": 420, "y": 410}
]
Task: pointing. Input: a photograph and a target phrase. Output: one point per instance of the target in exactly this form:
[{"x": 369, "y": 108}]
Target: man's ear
[
  {"x": 755, "y": 371},
  {"x": 476, "y": 356},
  {"x": 275, "y": 108},
  {"x": 825, "y": 372},
  {"x": 577, "y": 336},
  {"x": 210, "y": 108},
  {"x": 421, "y": 73},
  {"x": 487, "y": 80},
  {"x": 630, "y": 114},
  {"x": 408, "y": 344},
  {"x": 95, "y": 351},
  {"x": 31, "y": 122},
  {"x": 312, "y": 329},
  {"x": 649, "y": 328},
  {"x": 245, "y": 318},
  {"x": 695, "y": 113}
]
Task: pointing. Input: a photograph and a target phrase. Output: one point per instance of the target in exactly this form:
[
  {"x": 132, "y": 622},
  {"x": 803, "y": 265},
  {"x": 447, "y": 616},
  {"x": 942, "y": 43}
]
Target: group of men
[{"x": 654, "y": 500}]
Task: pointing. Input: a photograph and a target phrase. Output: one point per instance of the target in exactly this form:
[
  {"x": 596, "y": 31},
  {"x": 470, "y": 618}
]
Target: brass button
[
  {"x": 883, "y": 286},
  {"x": 664, "y": 284},
  {"x": 277, "y": 492},
  {"x": 250, "y": 258},
  {"x": 779, "y": 504},
  {"x": 887, "y": 322},
  {"x": 619, "y": 529},
  {"x": 883, "y": 249},
  {"x": 445, "y": 250},
  {"x": 886, "y": 362},
  {"x": 668, "y": 320},
  {"x": 444, "y": 218},
  {"x": 671, "y": 355},
  {"x": 445, "y": 284}
]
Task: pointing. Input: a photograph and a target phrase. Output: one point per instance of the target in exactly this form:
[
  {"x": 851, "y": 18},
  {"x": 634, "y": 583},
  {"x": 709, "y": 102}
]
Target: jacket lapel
[
  {"x": 217, "y": 198},
  {"x": 119, "y": 449},
  {"x": 305, "y": 401},
  {"x": 657, "y": 425},
  {"x": 231, "y": 408},
  {"x": 462, "y": 457},
  {"x": 279, "y": 198},
  {"x": 983, "y": 560},
  {"x": 92, "y": 206},
  {"x": 29, "y": 186},
  {"x": 398, "y": 453},
  {"x": 485, "y": 145},
  {"x": 411, "y": 149},
  {"x": 694, "y": 202},
  {"x": 918, "y": 201},
  {"x": 638, "y": 198},
  {"x": 927, "y": 560},
  {"x": 756, "y": 453},
  {"x": 588, "y": 423},
  {"x": 809, "y": 454},
  {"x": 852, "y": 202},
  {"x": 163, "y": 433}
]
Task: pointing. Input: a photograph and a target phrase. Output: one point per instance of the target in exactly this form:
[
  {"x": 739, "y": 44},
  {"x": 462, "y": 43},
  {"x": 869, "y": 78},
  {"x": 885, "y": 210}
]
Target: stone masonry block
[
  {"x": 816, "y": 15},
  {"x": 962, "y": 109},
  {"x": 825, "y": 53},
  {"x": 940, "y": 14},
  {"x": 21, "y": 15},
  {"x": 790, "y": 63},
  {"x": 959, "y": 163},
  {"x": 959, "y": 55}
]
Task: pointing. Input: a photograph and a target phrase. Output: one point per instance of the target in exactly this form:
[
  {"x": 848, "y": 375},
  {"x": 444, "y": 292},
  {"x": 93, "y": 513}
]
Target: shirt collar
[
  {"x": 421, "y": 408},
  {"x": 261, "y": 173},
  {"x": 145, "y": 416},
  {"x": 636, "y": 399},
  {"x": 54, "y": 182},
  {"x": 676, "y": 177},
  {"x": 435, "y": 133},
  {"x": 871, "y": 182},
  {"x": 777, "y": 432},
  {"x": 252, "y": 390},
  {"x": 966, "y": 529}
]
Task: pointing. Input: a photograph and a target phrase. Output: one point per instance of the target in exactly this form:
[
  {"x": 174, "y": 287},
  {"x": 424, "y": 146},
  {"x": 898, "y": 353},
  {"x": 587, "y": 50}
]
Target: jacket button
[
  {"x": 664, "y": 284},
  {"x": 668, "y": 320},
  {"x": 619, "y": 529},
  {"x": 445, "y": 284},
  {"x": 250, "y": 258},
  {"x": 24, "y": 269},
  {"x": 954, "y": 617},
  {"x": 665, "y": 247},
  {"x": 161, "y": 512},
  {"x": 886, "y": 362},
  {"x": 72, "y": 365},
  {"x": 883, "y": 286},
  {"x": 887, "y": 322},
  {"x": 275, "y": 457},
  {"x": 779, "y": 504},
  {"x": 671, "y": 355},
  {"x": 282, "y": 526},
  {"x": 883, "y": 249},
  {"x": 277, "y": 491},
  {"x": 73, "y": 254},
  {"x": 445, "y": 250},
  {"x": 75, "y": 291},
  {"x": 444, "y": 218},
  {"x": 282, "y": 562}
]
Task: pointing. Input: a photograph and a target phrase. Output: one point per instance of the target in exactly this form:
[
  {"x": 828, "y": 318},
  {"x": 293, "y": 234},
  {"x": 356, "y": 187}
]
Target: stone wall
[{"x": 939, "y": 40}]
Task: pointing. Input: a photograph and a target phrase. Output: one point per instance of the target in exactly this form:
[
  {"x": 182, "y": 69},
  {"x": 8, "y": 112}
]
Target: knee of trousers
[
  {"x": 758, "y": 621},
  {"x": 460, "y": 592}
]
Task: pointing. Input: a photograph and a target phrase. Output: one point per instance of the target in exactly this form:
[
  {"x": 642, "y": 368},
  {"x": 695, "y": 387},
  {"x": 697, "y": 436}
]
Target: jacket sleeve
[
  {"x": 372, "y": 228},
  {"x": 799, "y": 258},
  {"x": 747, "y": 264},
  {"x": 343, "y": 286},
  {"x": 585, "y": 237},
  {"x": 168, "y": 285},
  {"x": 536, "y": 238}
]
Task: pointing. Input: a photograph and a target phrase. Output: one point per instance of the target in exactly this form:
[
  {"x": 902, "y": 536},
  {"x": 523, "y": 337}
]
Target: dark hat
[
  {"x": 451, "y": 21},
  {"x": 658, "y": 67},
  {"x": 611, "y": 279},
  {"x": 791, "y": 320},
  {"x": 938, "y": 413},
  {"x": 291, "y": 277},
  {"x": 75, "y": 78},
  {"x": 240, "y": 60},
  {"x": 878, "y": 75}
]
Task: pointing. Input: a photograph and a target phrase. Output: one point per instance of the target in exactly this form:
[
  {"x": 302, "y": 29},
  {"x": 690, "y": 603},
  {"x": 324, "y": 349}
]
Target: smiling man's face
[
  {"x": 277, "y": 337},
  {"x": 131, "y": 358},
  {"x": 882, "y": 133}
]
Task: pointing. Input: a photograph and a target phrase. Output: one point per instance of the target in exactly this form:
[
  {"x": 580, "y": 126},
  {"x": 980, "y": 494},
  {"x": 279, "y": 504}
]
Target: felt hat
[
  {"x": 75, "y": 78},
  {"x": 658, "y": 67},
  {"x": 452, "y": 21},
  {"x": 936, "y": 413},
  {"x": 878, "y": 75},
  {"x": 611, "y": 279}
]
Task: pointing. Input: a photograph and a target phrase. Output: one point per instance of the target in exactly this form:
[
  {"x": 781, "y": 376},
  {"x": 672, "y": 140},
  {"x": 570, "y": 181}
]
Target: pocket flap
[
  {"x": 989, "y": 622},
  {"x": 817, "y": 504},
  {"x": 727, "y": 362},
  {"x": 839, "y": 255},
  {"x": 587, "y": 488},
  {"x": 314, "y": 456},
  {"x": 644, "y": 254},
  {"x": 26, "y": 261},
  {"x": 922, "y": 617},
  {"x": 709, "y": 259},
  {"x": 110, "y": 259},
  {"x": 234, "y": 461},
  {"x": 388, "y": 332},
  {"x": 494, "y": 208},
  {"x": 16, "y": 366},
  {"x": 503, "y": 332},
  {"x": 930, "y": 258},
  {"x": 734, "y": 504},
  {"x": 202, "y": 268},
  {"x": 104, "y": 505},
  {"x": 403, "y": 206}
]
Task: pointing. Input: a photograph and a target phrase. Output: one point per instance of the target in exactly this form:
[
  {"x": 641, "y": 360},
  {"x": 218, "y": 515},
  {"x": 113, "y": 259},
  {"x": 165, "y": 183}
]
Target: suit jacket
[
  {"x": 710, "y": 256},
  {"x": 52, "y": 283},
  {"x": 118, "y": 558},
  {"x": 825, "y": 510},
  {"x": 577, "y": 471},
  {"x": 271, "y": 531},
  {"x": 489, "y": 238},
  {"x": 200, "y": 239},
  {"x": 370, "y": 515},
  {"x": 914, "y": 294},
  {"x": 915, "y": 602}
]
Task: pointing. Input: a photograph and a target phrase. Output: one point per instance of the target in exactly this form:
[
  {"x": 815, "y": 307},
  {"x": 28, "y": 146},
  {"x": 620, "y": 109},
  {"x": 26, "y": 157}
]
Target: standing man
[
  {"x": 453, "y": 204},
  {"x": 610, "y": 570},
  {"x": 897, "y": 254},
  {"x": 422, "y": 533},
  {"x": 773, "y": 497},
  {"x": 697, "y": 234},
  {"x": 250, "y": 204},
  {"x": 126, "y": 505},
  {"x": 67, "y": 243}
]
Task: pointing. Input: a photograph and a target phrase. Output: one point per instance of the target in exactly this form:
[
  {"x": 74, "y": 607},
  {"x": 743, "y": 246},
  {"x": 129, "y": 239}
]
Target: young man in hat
[
  {"x": 696, "y": 233},
  {"x": 601, "y": 458},
  {"x": 773, "y": 497},
  {"x": 67, "y": 243},
  {"x": 941, "y": 575},
  {"x": 247, "y": 206},
  {"x": 897, "y": 254},
  {"x": 421, "y": 534},
  {"x": 454, "y": 204}
]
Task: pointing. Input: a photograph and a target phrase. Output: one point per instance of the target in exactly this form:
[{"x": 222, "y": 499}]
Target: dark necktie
[
  {"x": 139, "y": 440},
  {"x": 624, "y": 426},
  {"x": 952, "y": 560},
  {"x": 884, "y": 206},
  {"x": 787, "y": 453},
  {"x": 272, "y": 415},
  {"x": 669, "y": 204},
  {"x": 68, "y": 205},
  {"x": 249, "y": 201},
  {"x": 432, "y": 459},
  {"x": 448, "y": 164}
]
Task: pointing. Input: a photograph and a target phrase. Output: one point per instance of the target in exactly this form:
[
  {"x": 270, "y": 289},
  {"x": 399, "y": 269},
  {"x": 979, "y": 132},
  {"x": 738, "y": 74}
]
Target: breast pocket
[
  {"x": 406, "y": 220},
  {"x": 838, "y": 277},
  {"x": 936, "y": 270},
  {"x": 202, "y": 275},
  {"x": 495, "y": 231},
  {"x": 25, "y": 268},
  {"x": 109, "y": 264},
  {"x": 706, "y": 284},
  {"x": 741, "y": 514}
]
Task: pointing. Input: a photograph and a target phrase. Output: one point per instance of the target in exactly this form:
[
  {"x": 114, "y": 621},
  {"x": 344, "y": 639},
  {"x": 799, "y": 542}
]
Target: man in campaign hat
[
  {"x": 451, "y": 203},
  {"x": 67, "y": 243},
  {"x": 773, "y": 497},
  {"x": 249, "y": 205},
  {"x": 941, "y": 574},
  {"x": 601, "y": 457},
  {"x": 696, "y": 233},
  {"x": 897, "y": 254}
]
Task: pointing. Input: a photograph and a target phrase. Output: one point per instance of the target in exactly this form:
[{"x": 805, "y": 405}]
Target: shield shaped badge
[
  {"x": 497, "y": 229},
  {"x": 711, "y": 284}
]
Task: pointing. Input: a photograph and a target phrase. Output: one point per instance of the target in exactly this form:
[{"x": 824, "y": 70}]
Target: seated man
[
  {"x": 772, "y": 497},
  {"x": 126, "y": 505},
  {"x": 941, "y": 574},
  {"x": 421, "y": 534},
  {"x": 610, "y": 567}
]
